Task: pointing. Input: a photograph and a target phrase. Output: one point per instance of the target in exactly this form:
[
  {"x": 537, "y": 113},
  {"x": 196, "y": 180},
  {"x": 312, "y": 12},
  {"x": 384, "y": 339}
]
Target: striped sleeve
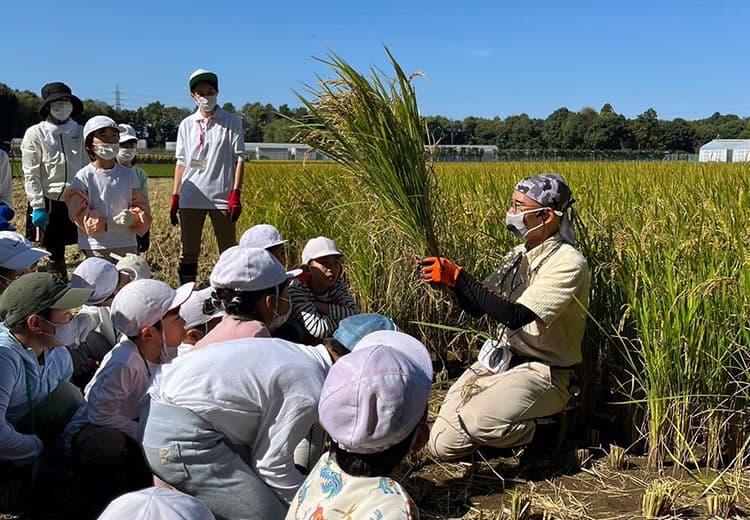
[
  {"x": 341, "y": 303},
  {"x": 303, "y": 309}
]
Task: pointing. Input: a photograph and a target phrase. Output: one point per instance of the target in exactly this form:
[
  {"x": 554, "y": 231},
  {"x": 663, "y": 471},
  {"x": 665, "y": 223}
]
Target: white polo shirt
[{"x": 208, "y": 149}]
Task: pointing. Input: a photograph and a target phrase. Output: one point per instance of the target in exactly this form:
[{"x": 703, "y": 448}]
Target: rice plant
[{"x": 659, "y": 498}]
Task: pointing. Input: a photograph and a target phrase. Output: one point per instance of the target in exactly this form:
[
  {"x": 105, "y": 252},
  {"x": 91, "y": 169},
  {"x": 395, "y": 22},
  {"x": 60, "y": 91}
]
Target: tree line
[{"x": 563, "y": 129}]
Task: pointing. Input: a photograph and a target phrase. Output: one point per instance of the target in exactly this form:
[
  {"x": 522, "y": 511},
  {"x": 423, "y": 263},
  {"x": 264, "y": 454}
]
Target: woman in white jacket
[{"x": 52, "y": 152}]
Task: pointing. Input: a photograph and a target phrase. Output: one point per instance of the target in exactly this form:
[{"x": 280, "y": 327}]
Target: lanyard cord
[{"x": 29, "y": 398}]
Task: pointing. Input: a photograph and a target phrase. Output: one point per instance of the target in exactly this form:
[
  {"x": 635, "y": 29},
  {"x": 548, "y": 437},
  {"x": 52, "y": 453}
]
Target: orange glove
[{"x": 439, "y": 270}]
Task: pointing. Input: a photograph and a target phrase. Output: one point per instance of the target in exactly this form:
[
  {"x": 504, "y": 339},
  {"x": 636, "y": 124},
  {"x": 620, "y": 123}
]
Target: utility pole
[{"x": 117, "y": 98}]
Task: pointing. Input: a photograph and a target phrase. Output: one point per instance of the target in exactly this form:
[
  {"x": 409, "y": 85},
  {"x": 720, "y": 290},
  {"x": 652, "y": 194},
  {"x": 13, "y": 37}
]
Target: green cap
[
  {"x": 204, "y": 75},
  {"x": 34, "y": 292}
]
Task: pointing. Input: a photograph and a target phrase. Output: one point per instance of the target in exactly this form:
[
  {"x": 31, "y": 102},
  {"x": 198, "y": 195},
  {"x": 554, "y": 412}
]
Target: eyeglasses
[{"x": 518, "y": 207}]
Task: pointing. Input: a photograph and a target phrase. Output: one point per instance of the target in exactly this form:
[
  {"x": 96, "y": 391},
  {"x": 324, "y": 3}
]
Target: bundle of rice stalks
[
  {"x": 371, "y": 126},
  {"x": 659, "y": 498},
  {"x": 720, "y": 505},
  {"x": 616, "y": 458},
  {"x": 520, "y": 506}
]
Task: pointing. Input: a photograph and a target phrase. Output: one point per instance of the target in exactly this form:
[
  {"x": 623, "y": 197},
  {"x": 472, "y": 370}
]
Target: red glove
[
  {"x": 305, "y": 275},
  {"x": 235, "y": 206},
  {"x": 173, "y": 207},
  {"x": 439, "y": 270}
]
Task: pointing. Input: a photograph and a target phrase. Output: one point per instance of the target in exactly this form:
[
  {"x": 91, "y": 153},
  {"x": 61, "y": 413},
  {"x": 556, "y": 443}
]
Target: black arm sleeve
[{"x": 477, "y": 300}]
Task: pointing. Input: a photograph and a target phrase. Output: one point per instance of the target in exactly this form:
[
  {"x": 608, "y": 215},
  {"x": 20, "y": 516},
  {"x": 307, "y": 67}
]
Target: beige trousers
[
  {"x": 105, "y": 253},
  {"x": 191, "y": 230},
  {"x": 482, "y": 408}
]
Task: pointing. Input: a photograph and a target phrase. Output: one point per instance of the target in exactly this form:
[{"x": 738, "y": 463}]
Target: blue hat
[
  {"x": 6, "y": 215},
  {"x": 356, "y": 327}
]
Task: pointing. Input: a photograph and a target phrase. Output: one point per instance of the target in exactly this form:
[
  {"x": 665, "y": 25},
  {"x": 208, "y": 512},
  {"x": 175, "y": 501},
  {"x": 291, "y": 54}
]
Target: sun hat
[
  {"x": 55, "y": 91},
  {"x": 204, "y": 75},
  {"x": 34, "y": 292},
  {"x": 374, "y": 397},
  {"x": 249, "y": 269},
  {"x": 156, "y": 503},
  {"x": 127, "y": 133},
  {"x": 97, "y": 274},
  {"x": 97, "y": 123},
  {"x": 198, "y": 309},
  {"x": 318, "y": 248},
  {"x": 134, "y": 265},
  {"x": 143, "y": 303},
  {"x": 354, "y": 328},
  {"x": 17, "y": 253},
  {"x": 263, "y": 236}
]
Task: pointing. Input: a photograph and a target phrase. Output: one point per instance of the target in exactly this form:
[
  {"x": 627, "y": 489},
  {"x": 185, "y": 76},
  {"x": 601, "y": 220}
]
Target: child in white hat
[
  {"x": 321, "y": 298},
  {"x": 103, "y": 434},
  {"x": 265, "y": 236},
  {"x": 156, "y": 504},
  {"x": 17, "y": 257},
  {"x": 252, "y": 287},
  {"x": 126, "y": 156},
  {"x": 105, "y": 199},
  {"x": 201, "y": 314},
  {"x": 373, "y": 405}
]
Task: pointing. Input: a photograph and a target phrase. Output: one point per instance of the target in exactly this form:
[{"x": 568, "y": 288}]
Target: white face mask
[
  {"x": 61, "y": 110},
  {"x": 279, "y": 319},
  {"x": 65, "y": 334},
  {"x": 515, "y": 224},
  {"x": 206, "y": 103},
  {"x": 106, "y": 151},
  {"x": 126, "y": 154}
]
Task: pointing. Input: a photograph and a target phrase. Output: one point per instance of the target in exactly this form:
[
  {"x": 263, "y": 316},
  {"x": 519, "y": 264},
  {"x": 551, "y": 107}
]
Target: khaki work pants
[
  {"x": 191, "y": 230},
  {"x": 498, "y": 410}
]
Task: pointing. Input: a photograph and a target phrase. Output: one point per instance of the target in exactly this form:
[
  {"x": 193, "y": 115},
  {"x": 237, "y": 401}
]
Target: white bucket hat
[
  {"x": 318, "y": 248},
  {"x": 249, "y": 269},
  {"x": 144, "y": 302},
  {"x": 17, "y": 253},
  {"x": 97, "y": 274},
  {"x": 263, "y": 236}
]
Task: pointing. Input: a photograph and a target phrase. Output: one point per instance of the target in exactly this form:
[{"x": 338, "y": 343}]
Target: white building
[
  {"x": 725, "y": 150},
  {"x": 282, "y": 152}
]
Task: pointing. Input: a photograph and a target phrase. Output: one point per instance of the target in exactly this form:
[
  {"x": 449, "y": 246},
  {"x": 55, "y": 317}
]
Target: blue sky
[{"x": 684, "y": 58}]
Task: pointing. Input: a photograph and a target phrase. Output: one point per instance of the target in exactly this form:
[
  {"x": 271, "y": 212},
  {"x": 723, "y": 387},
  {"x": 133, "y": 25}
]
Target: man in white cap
[
  {"x": 225, "y": 419},
  {"x": 208, "y": 174},
  {"x": 105, "y": 198},
  {"x": 265, "y": 236},
  {"x": 17, "y": 257},
  {"x": 321, "y": 297},
  {"x": 156, "y": 503},
  {"x": 374, "y": 406},
  {"x": 52, "y": 152},
  {"x": 103, "y": 434},
  {"x": 201, "y": 313}
]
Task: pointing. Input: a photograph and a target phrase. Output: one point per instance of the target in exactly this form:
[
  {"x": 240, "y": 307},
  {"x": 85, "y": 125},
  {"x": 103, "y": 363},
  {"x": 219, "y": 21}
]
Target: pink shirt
[{"x": 230, "y": 328}]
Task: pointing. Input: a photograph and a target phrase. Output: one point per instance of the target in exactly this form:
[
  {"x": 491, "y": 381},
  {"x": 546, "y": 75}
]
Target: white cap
[
  {"x": 134, "y": 265},
  {"x": 263, "y": 236},
  {"x": 156, "y": 503},
  {"x": 127, "y": 133},
  {"x": 97, "y": 123},
  {"x": 318, "y": 248},
  {"x": 144, "y": 302},
  {"x": 249, "y": 269},
  {"x": 97, "y": 274},
  {"x": 16, "y": 253},
  {"x": 196, "y": 311}
]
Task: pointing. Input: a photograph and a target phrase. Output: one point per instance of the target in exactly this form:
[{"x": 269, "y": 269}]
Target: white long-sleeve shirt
[
  {"x": 113, "y": 397},
  {"x": 6, "y": 180},
  {"x": 340, "y": 304},
  {"x": 260, "y": 393},
  {"x": 16, "y": 364}
]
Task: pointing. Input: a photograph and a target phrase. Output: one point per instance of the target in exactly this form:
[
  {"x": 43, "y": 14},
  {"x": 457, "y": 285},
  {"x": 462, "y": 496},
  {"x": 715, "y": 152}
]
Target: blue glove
[{"x": 40, "y": 218}]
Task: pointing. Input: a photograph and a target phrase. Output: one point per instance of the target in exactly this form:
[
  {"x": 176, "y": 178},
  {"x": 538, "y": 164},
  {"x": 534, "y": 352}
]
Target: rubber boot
[
  {"x": 58, "y": 268},
  {"x": 187, "y": 273}
]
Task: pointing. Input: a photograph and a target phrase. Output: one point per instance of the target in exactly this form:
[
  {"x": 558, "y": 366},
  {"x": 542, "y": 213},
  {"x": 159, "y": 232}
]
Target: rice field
[
  {"x": 667, "y": 353},
  {"x": 668, "y": 338}
]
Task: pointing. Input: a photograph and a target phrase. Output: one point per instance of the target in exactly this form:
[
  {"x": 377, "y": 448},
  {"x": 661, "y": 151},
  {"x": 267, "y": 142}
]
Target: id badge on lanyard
[{"x": 199, "y": 160}]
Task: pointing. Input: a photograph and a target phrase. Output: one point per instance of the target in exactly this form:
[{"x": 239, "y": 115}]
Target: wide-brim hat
[{"x": 54, "y": 92}]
